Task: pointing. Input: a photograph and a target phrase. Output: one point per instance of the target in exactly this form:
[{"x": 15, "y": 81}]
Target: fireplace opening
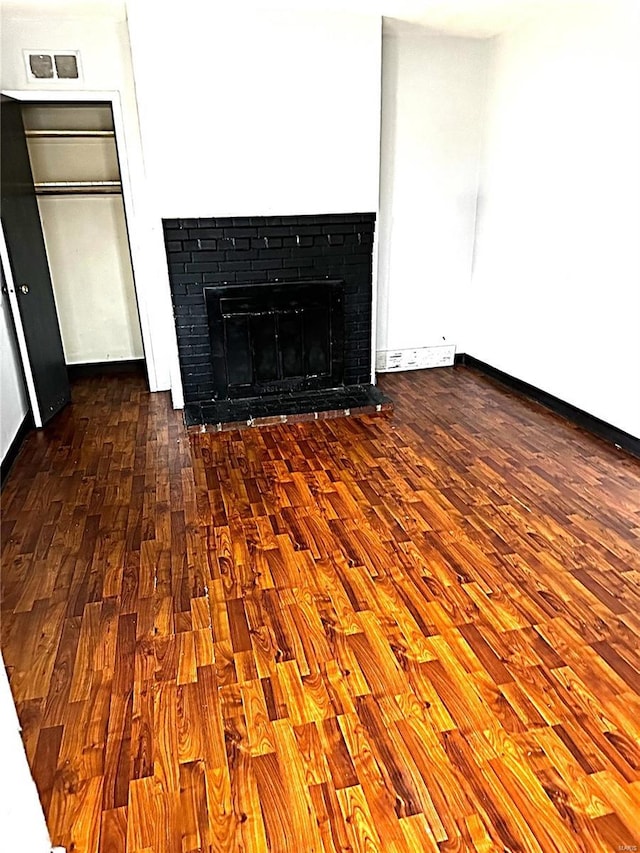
[{"x": 268, "y": 339}]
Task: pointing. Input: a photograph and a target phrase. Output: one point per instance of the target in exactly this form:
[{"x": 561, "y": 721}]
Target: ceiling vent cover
[{"x": 49, "y": 65}]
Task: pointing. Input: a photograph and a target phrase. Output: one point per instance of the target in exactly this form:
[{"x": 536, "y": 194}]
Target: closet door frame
[
  {"x": 158, "y": 332},
  {"x": 21, "y": 339}
]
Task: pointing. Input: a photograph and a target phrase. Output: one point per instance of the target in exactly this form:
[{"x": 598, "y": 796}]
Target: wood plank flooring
[{"x": 367, "y": 634}]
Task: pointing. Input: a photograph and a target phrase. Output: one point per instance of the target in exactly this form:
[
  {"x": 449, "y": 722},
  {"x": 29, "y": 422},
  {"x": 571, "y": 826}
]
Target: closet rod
[
  {"x": 77, "y": 187},
  {"x": 89, "y": 134}
]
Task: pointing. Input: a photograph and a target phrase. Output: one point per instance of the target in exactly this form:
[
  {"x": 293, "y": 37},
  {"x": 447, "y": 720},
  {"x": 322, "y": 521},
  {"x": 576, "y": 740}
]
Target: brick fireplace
[{"x": 211, "y": 256}]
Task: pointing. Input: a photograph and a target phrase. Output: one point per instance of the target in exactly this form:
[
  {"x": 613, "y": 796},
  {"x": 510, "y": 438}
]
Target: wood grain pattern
[{"x": 416, "y": 633}]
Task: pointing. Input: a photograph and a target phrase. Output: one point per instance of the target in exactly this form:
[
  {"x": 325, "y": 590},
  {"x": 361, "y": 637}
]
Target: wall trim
[
  {"x": 594, "y": 425},
  {"x": 14, "y": 448},
  {"x": 106, "y": 368}
]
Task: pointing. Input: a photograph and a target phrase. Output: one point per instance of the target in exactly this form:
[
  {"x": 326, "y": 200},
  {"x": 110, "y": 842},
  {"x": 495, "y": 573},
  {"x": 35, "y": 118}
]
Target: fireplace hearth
[{"x": 273, "y": 316}]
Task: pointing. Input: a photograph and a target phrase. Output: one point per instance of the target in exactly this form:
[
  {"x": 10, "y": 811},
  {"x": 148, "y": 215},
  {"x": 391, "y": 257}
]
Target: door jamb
[{"x": 20, "y": 336}]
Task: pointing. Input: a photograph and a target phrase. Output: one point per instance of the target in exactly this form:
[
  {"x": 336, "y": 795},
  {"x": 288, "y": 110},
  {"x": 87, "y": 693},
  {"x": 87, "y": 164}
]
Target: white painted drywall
[
  {"x": 88, "y": 254},
  {"x": 253, "y": 112},
  {"x": 73, "y": 159},
  {"x": 433, "y": 98},
  {"x": 13, "y": 399},
  {"x": 103, "y": 42},
  {"x": 22, "y": 823},
  {"x": 555, "y": 296}
]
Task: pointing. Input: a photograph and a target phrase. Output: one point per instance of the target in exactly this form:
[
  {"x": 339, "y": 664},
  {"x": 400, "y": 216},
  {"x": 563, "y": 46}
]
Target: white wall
[
  {"x": 433, "y": 98},
  {"x": 22, "y": 824},
  {"x": 252, "y": 112},
  {"x": 86, "y": 242},
  {"x": 106, "y": 62},
  {"x": 13, "y": 400},
  {"x": 555, "y": 297}
]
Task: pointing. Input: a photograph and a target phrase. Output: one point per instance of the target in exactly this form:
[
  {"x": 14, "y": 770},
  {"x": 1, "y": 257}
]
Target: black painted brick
[
  {"x": 339, "y": 228},
  {"x": 219, "y": 277},
  {"x": 305, "y": 230},
  {"x": 249, "y": 255},
  {"x": 240, "y": 232},
  {"x": 282, "y": 275},
  {"x": 210, "y": 267},
  {"x": 205, "y": 233},
  {"x": 188, "y": 299},
  {"x": 207, "y": 256},
  {"x": 297, "y": 247},
  {"x": 253, "y": 276},
  {"x": 276, "y": 252},
  {"x": 265, "y": 264},
  {"x": 275, "y": 231},
  {"x": 309, "y": 251},
  {"x": 236, "y": 266},
  {"x": 271, "y": 242}
]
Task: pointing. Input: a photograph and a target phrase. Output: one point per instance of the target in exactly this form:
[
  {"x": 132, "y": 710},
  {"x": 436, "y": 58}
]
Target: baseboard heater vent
[{"x": 415, "y": 359}]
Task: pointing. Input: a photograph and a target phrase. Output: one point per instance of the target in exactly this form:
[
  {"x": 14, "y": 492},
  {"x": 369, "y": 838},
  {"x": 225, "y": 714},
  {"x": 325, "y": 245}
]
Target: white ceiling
[
  {"x": 63, "y": 8},
  {"x": 477, "y": 18}
]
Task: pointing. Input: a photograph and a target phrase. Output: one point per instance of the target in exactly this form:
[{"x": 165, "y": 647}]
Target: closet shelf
[
  {"x": 63, "y": 134},
  {"x": 77, "y": 187}
]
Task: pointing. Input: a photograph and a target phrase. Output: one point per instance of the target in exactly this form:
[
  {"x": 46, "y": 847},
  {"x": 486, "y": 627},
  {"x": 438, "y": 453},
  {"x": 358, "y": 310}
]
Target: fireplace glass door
[{"x": 275, "y": 338}]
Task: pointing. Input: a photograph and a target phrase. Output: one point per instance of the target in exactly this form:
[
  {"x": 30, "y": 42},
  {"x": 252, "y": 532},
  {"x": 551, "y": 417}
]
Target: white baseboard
[{"x": 415, "y": 359}]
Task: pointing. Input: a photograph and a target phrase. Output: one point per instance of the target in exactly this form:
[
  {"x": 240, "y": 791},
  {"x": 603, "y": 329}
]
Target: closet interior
[{"x": 72, "y": 148}]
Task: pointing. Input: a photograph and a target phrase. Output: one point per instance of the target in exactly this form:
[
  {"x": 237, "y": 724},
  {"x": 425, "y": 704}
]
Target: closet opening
[{"x": 74, "y": 160}]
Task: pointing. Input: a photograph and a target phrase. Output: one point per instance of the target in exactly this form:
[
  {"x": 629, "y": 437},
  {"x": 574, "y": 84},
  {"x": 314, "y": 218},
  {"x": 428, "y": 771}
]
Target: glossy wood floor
[{"x": 368, "y": 634}]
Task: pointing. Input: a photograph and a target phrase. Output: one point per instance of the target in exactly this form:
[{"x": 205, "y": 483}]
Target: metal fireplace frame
[{"x": 275, "y": 338}]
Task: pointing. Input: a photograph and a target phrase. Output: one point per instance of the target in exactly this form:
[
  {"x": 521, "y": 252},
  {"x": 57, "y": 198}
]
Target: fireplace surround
[{"x": 280, "y": 259}]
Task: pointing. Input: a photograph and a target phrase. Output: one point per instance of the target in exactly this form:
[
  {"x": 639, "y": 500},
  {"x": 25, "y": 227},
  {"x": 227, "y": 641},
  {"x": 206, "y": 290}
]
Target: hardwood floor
[{"x": 367, "y": 634}]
